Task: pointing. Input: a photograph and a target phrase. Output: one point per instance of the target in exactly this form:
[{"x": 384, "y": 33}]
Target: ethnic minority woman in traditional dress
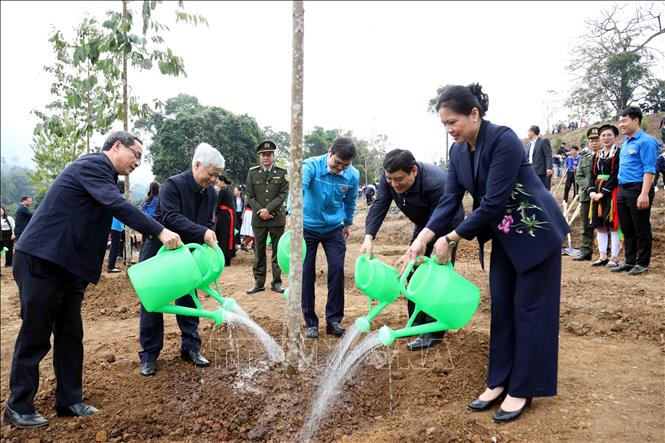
[{"x": 603, "y": 188}]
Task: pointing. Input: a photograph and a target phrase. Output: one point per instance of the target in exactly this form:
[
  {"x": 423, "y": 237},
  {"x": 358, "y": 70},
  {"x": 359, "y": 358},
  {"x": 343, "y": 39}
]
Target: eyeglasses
[{"x": 137, "y": 154}]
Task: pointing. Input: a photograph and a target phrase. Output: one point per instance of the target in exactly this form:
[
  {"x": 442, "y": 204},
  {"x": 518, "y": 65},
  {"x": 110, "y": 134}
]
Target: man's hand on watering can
[
  {"x": 367, "y": 246},
  {"x": 210, "y": 238},
  {"x": 169, "y": 238}
]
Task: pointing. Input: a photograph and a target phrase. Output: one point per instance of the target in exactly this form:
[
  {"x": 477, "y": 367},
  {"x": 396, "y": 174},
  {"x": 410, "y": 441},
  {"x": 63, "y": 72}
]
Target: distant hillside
[{"x": 578, "y": 136}]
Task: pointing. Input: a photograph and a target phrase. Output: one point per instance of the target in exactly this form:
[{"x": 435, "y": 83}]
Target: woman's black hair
[
  {"x": 153, "y": 191},
  {"x": 462, "y": 99},
  {"x": 4, "y": 213}
]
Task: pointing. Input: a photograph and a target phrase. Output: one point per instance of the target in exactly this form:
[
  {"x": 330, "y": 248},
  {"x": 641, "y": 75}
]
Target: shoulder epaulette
[{"x": 254, "y": 167}]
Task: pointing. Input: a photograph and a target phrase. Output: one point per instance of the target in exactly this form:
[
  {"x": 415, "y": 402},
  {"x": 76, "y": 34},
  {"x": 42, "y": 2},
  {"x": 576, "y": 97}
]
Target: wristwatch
[{"x": 451, "y": 243}]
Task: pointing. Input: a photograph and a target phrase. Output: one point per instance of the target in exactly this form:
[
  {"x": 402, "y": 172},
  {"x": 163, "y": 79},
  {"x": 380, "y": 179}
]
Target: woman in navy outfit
[{"x": 512, "y": 208}]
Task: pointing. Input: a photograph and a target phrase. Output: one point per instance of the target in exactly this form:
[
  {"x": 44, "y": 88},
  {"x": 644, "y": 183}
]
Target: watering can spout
[
  {"x": 386, "y": 336},
  {"x": 362, "y": 324},
  {"x": 230, "y": 305}
]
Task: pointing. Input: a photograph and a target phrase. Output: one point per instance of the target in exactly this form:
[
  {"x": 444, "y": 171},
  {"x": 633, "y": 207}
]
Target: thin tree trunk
[
  {"x": 294, "y": 312},
  {"x": 125, "y": 124}
]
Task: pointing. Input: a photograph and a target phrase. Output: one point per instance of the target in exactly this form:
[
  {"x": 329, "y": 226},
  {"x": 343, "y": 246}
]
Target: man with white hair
[{"x": 186, "y": 204}]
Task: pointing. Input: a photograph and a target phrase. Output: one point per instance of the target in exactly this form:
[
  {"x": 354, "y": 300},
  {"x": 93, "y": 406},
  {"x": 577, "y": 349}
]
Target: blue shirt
[
  {"x": 117, "y": 225},
  {"x": 149, "y": 208},
  {"x": 329, "y": 200},
  {"x": 571, "y": 162},
  {"x": 638, "y": 157}
]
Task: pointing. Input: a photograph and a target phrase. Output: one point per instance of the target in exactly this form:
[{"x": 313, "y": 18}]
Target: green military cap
[
  {"x": 593, "y": 133},
  {"x": 266, "y": 146}
]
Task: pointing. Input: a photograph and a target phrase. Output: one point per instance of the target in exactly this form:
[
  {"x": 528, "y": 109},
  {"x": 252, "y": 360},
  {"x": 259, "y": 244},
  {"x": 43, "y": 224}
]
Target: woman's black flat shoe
[
  {"x": 479, "y": 405},
  {"x": 502, "y": 416},
  {"x": 600, "y": 262}
]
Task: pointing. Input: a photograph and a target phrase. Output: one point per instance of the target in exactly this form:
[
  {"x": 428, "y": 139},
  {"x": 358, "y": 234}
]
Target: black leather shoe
[
  {"x": 600, "y": 262},
  {"x": 637, "y": 270},
  {"x": 23, "y": 421},
  {"x": 195, "y": 357},
  {"x": 585, "y": 257},
  {"x": 277, "y": 288},
  {"x": 77, "y": 410},
  {"x": 479, "y": 405},
  {"x": 425, "y": 341},
  {"x": 148, "y": 368},
  {"x": 312, "y": 332},
  {"x": 254, "y": 289},
  {"x": 623, "y": 267},
  {"x": 502, "y": 416},
  {"x": 335, "y": 328}
]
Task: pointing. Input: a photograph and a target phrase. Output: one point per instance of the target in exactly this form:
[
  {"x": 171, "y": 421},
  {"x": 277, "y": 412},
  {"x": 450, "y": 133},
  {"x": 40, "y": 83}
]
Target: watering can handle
[
  {"x": 202, "y": 251},
  {"x": 405, "y": 276},
  {"x": 190, "y": 246}
]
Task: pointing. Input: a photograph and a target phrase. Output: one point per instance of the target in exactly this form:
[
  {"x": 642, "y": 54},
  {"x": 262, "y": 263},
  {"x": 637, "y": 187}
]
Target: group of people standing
[
  {"x": 62, "y": 249},
  {"x": 616, "y": 194}
]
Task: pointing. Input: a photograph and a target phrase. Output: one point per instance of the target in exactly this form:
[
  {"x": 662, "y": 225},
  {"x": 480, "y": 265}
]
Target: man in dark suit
[
  {"x": 416, "y": 189},
  {"x": 22, "y": 216},
  {"x": 539, "y": 153},
  {"x": 59, "y": 253},
  {"x": 186, "y": 205}
]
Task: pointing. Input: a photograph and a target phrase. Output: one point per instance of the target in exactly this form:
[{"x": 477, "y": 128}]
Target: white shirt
[
  {"x": 533, "y": 144},
  {"x": 8, "y": 226}
]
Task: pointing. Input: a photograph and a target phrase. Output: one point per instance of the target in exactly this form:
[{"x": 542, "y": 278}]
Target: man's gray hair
[{"x": 208, "y": 156}]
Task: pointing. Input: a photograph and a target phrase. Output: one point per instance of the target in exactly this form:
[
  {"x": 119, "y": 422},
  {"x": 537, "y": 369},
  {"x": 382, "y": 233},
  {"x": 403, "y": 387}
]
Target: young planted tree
[
  {"x": 84, "y": 94},
  {"x": 122, "y": 45},
  {"x": 295, "y": 190},
  {"x": 613, "y": 61}
]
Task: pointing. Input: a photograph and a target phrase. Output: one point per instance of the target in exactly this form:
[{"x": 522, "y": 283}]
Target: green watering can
[
  {"x": 171, "y": 273},
  {"x": 4, "y": 249},
  {"x": 377, "y": 281},
  {"x": 441, "y": 293},
  {"x": 213, "y": 259},
  {"x": 284, "y": 251}
]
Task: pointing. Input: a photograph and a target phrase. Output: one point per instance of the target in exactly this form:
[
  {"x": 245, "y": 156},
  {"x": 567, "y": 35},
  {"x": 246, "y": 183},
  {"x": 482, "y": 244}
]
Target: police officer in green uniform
[
  {"x": 582, "y": 174},
  {"x": 267, "y": 189}
]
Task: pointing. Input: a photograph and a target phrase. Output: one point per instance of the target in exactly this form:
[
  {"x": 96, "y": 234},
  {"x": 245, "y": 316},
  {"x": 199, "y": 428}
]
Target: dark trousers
[
  {"x": 570, "y": 183},
  {"x": 151, "y": 327},
  {"x": 117, "y": 244},
  {"x": 260, "y": 268},
  {"x": 635, "y": 224},
  {"x": 7, "y": 242},
  {"x": 151, "y": 324},
  {"x": 586, "y": 245},
  {"x": 334, "y": 246},
  {"x": 238, "y": 226},
  {"x": 525, "y": 325},
  {"x": 50, "y": 299},
  {"x": 546, "y": 180}
]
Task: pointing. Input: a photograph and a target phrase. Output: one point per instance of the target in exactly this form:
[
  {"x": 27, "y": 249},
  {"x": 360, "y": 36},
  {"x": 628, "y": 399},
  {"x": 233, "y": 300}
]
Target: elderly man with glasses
[{"x": 59, "y": 253}]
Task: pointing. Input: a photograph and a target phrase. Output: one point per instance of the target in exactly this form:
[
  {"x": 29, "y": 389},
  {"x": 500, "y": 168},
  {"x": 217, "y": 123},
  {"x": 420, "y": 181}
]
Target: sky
[{"x": 370, "y": 67}]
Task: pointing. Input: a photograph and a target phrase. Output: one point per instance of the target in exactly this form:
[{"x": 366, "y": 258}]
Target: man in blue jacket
[
  {"x": 186, "y": 205},
  {"x": 330, "y": 189},
  {"x": 59, "y": 253},
  {"x": 416, "y": 189},
  {"x": 637, "y": 168}
]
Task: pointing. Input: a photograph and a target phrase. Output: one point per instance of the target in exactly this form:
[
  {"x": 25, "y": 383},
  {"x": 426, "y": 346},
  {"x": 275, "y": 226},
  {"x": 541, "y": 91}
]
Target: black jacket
[
  {"x": 417, "y": 203},
  {"x": 72, "y": 224},
  {"x": 185, "y": 208},
  {"x": 21, "y": 219}
]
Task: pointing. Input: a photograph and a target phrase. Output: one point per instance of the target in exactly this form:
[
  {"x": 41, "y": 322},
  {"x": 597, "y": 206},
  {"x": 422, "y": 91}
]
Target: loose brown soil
[{"x": 611, "y": 365}]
